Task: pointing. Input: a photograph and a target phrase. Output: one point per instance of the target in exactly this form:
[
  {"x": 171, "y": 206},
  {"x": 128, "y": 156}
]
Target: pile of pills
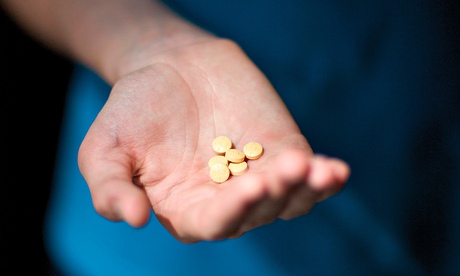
[{"x": 230, "y": 161}]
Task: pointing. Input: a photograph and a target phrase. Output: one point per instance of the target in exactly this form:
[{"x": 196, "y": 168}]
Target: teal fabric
[{"x": 375, "y": 83}]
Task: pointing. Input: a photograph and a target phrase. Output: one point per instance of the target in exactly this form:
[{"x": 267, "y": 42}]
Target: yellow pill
[
  {"x": 235, "y": 156},
  {"x": 238, "y": 168},
  {"x": 219, "y": 173},
  {"x": 221, "y": 144},
  {"x": 218, "y": 159},
  {"x": 253, "y": 150}
]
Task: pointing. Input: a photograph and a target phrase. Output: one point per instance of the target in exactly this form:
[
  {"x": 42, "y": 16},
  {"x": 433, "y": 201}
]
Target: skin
[{"x": 176, "y": 88}]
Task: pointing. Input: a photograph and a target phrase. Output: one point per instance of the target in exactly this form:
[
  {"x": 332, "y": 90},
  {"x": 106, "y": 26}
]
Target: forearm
[{"x": 102, "y": 33}]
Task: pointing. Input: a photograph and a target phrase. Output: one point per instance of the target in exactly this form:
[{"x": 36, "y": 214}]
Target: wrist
[
  {"x": 136, "y": 44},
  {"x": 151, "y": 46}
]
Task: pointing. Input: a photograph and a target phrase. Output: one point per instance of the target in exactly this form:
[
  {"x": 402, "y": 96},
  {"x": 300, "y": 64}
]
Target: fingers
[
  {"x": 114, "y": 195},
  {"x": 288, "y": 189},
  {"x": 222, "y": 215},
  {"x": 283, "y": 179},
  {"x": 243, "y": 203},
  {"x": 324, "y": 178},
  {"x": 328, "y": 176}
]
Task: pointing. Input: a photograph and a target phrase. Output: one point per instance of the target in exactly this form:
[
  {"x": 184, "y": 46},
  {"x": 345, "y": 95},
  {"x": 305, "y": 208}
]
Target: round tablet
[
  {"x": 235, "y": 156},
  {"x": 221, "y": 144},
  {"x": 219, "y": 173},
  {"x": 238, "y": 168},
  {"x": 218, "y": 159},
  {"x": 253, "y": 150}
]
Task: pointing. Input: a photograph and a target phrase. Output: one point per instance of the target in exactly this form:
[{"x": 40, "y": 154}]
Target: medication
[
  {"x": 218, "y": 159},
  {"x": 253, "y": 150},
  {"x": 219, "y": 172},
  {"x": 235, "y": 156},
  {"x": 230, "y": 161},
  {"x": 238, "y": 168},
  {"x": 221, "y": 145}
]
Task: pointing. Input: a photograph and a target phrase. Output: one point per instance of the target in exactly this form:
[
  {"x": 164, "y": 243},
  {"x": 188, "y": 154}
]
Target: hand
[{"x": 150, "y": 145}]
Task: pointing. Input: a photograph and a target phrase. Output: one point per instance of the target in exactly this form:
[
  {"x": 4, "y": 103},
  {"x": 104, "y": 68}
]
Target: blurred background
[{"x": 33, "y": 81}]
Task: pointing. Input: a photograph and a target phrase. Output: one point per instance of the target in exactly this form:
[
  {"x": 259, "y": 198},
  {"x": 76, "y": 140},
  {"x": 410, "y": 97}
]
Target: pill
[
  {"x": 221, "y": 144},
  {"x": 218, "y": 159},
  {"x": 219, "y": 172},
  {"x": 238, "y": 168},
  {"x": 253, "y": 150},
  {"x": 235, "y": 156}
]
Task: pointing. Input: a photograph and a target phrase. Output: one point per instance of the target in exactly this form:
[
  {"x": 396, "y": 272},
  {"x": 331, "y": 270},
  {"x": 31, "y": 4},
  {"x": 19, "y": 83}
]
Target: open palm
[{"x": 149, "y": 147}]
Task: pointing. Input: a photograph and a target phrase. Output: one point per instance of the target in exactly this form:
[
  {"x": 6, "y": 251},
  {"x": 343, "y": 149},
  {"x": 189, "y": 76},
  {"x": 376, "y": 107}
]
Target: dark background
[
  {"x": 33, "y": 84},
  {"x": 32, "y": 90}
]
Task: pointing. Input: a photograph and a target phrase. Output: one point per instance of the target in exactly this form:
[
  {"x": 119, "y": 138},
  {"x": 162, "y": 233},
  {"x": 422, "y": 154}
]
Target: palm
[{"x": 159, "y": 123}]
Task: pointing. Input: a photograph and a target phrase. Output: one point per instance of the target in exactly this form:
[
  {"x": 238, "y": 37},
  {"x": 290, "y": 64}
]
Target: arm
[
  {"x": 176, "y": 88},
  {"x": 100, "y": 33}
]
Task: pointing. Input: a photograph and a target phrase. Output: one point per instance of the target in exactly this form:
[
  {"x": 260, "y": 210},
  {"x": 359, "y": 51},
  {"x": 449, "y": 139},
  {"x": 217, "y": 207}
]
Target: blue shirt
[{"x": 372, "y": 82}]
